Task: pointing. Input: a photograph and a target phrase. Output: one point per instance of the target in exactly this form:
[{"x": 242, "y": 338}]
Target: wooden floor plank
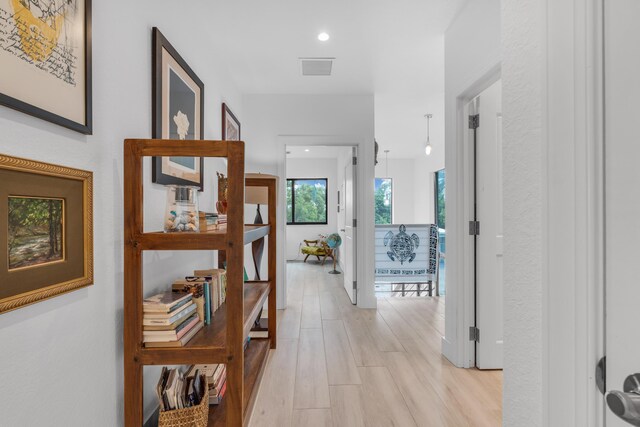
[
  {"x": 329, "y": 309},
  {"x": 365, "y": 353},
  {"x": 311, "y": 312},
  {"x": 274, "y": 403},
  {"x": 341, "y": 366},
  {"x": 424, "y": 403},
  {"x": 312, "y": 385},
  {"x": 382, "y": 336},
  {"x": 347, "y": 405},
  {"x": 313, "y": 418},
  {"x": 383, "y": 404}
]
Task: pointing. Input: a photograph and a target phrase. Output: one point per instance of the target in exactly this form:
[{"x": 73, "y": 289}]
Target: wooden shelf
[
  {"x": 255, "y": 359},
  {"x": 209, "y": 345},
  {"x": 211, "y": 240},
  {"x": 255, "y": 232},
  {"x": 223, "y": 340}
]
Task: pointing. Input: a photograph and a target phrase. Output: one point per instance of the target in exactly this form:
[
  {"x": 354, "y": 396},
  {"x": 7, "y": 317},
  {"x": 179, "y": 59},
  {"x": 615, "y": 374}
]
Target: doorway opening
[
  {"x": 321, "y": 219},
  {"x": 407, "y": 236}
]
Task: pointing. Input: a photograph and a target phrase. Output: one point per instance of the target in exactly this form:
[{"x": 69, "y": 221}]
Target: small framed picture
[
  {"x": 178, "y": 113},
  {"x": 45, "y": 58},
  {"x": 46, "y": 231},
  {"x": 230, "y": 125}
]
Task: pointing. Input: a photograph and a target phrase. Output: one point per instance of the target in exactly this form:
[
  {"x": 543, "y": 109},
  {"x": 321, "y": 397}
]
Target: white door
[
  {"x": 622, "y": 200},
  {"x": 349, "y": 244},
  {"x": 488, "y": 209}
]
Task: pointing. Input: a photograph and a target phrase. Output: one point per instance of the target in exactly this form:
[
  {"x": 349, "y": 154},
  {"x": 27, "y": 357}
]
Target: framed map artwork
[{"x": 45, "y": 60}]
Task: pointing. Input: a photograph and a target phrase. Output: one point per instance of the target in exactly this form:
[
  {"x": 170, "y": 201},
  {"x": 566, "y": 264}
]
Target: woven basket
[{"x": 195, "y": 416}]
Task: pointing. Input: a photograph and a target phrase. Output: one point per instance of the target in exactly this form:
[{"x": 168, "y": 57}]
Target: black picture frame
[
  {"x": 161, "y": 43},
  {"x": 227, "y": 115},
  {"x": 50, "y": 116},
  {"x": 291, "y": 181}
]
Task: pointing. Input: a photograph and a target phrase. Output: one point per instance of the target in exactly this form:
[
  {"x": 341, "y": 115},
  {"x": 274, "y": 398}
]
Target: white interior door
[
  {"x": 488, "y": 196},
  {"x": 349, "y": 244},
  {"x": 622, "y": 199}
]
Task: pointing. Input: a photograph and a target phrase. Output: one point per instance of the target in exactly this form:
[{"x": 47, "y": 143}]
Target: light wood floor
[{"x": 337, "y": 365}]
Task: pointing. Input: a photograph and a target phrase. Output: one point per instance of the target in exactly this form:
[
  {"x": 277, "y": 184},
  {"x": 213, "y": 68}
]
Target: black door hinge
[
  {"x": 474, "y": 121},
  {"x": 474, "y": 228},
  {"x": 474, "y": 334}
]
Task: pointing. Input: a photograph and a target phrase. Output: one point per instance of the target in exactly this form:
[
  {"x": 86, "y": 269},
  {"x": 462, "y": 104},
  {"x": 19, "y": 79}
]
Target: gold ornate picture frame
[{"x": 46, "y": 231}]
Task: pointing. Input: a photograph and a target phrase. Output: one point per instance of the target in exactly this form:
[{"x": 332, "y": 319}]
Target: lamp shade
[{"x": 256, "y": 195}]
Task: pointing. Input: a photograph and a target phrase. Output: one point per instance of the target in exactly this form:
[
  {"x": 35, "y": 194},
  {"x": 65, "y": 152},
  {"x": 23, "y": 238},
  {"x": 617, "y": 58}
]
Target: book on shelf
[
  {"x": 153, "y": 319},
  {"x": 207, "y": 303},
  {"x": 177, "y": 391},
  {"x": 217, "y": 399},
  {"x": 182, "y": 341},
  {"x": 171, "y": 334},
  {"x": 216, "y": 376},
  {"x": 165, "y": 327},
  {"x": 166, "y": 302},
  {"x": 163, "y": 315}
]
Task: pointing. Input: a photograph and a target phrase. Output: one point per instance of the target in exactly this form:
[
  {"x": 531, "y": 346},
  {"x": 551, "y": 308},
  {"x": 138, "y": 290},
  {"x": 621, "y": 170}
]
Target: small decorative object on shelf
[
  {"x": 223, "y": 186},
  {"x": 182, "y": 209}
]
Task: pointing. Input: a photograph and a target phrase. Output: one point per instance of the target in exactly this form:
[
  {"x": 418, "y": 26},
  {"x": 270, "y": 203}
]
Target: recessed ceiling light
[
  {"x": 306, "y": 150},
  {"x": 323, "y": 37}
]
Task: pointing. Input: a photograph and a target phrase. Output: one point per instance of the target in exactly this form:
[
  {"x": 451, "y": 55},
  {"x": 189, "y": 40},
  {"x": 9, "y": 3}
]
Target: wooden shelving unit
[{"x": 223, "y": 340}]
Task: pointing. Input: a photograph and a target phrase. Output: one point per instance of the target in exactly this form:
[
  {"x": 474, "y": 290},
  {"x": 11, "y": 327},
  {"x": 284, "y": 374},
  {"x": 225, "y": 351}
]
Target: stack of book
[
  {"x": 216, "y": 376},
  {"x": 222, "y": 220},
  {"x": 208, "y": 221},
  {"x": 177, "y": 391},
  {"x": 169, "y": 320},
  {"x": 213, "y": 284}
]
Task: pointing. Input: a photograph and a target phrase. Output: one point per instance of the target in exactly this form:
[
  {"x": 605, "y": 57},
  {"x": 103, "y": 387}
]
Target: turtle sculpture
[{"x": 403, "y": 247}]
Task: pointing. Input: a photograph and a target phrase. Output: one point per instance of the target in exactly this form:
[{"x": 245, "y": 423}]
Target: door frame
[
  {"x": 364, "y": 197},
  {"x": 573, "y": 127},
  {"x": 465, "y": 305}
]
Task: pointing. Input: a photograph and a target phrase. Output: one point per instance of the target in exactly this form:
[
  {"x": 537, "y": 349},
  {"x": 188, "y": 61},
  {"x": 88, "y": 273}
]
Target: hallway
[{"x": 337, "y": 365}]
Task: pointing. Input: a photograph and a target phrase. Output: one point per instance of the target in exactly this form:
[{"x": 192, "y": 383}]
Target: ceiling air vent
[{"x": 316, "y": 66}]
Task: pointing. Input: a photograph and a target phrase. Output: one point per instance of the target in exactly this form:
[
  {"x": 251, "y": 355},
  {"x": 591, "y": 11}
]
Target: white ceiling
[{"x": 393, "y": 49}]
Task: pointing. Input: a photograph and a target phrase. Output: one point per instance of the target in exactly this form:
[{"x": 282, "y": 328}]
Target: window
[
  {"x": 306, "y": 201},
  {"x": 384, "y": 201},
  {"x": 439, "y": 202}
]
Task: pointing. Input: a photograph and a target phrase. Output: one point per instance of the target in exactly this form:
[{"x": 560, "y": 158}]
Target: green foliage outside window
[
  {"x": 307, "y": 201},
  {"x": 383, "y": 201},
  {"x": 440, "y": 208}
]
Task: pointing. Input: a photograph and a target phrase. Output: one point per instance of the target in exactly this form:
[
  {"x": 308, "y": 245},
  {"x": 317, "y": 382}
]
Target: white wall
[
  {"x": 313, "y": 168},
  {"x": 472, "y": 60},
  {"x": 67, "y": 352},
  {"x": 523, "y": 98},
  {"x": 274, "y": 121}
]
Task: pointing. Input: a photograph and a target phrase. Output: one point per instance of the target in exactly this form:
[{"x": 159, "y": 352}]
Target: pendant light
[{"x": 428, "y": 147}]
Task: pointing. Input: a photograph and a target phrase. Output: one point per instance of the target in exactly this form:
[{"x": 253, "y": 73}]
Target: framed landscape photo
[
  {"x": 46, "y": 231},
  {"x": 45, "y": 60},
  {"x": 178, "y": 113},
  {"x": 230, "y": 125}
]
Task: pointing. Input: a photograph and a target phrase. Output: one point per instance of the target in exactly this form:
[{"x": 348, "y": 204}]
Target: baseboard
[
  {"x": 152, "y": 421},
  {"x": 448, "y": 351}
]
